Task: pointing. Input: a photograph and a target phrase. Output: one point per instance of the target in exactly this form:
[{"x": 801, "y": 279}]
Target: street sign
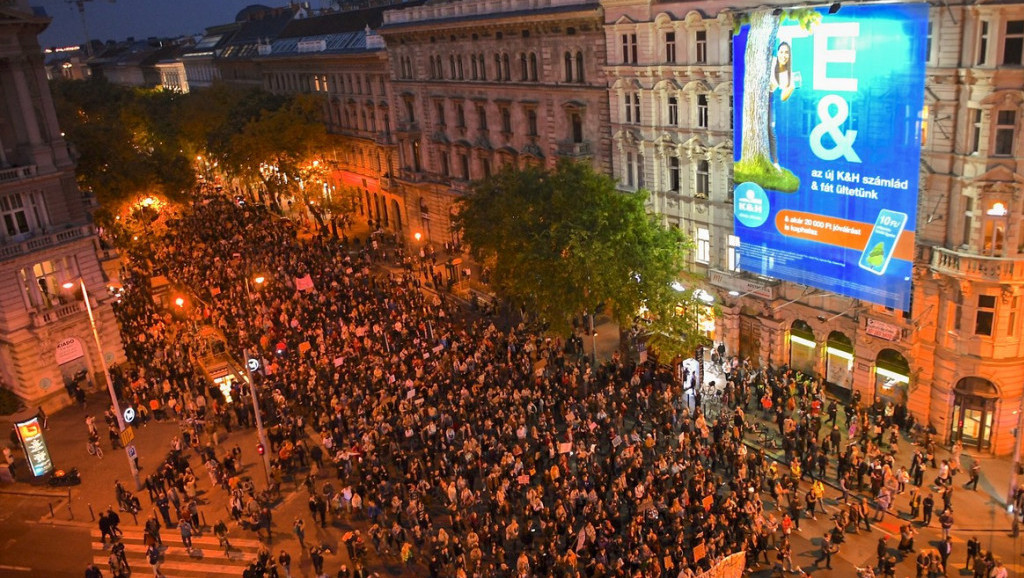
[
  {"x": 127, "y": 436},
  {"x": 131, "y": 452},
  {"x": 129, "y": 415},
  {"x": 253, "y": 363}
]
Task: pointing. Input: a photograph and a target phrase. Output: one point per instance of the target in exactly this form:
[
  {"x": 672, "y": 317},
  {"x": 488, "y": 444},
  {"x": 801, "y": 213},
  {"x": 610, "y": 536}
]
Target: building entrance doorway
[{"x": 974, "y": 404}]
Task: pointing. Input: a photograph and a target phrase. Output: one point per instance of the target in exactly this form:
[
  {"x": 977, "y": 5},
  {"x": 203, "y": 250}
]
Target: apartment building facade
[{"x": 47, "y": 239}]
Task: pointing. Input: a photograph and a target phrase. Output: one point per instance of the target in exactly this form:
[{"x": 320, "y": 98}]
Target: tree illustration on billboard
[{"x": 768, "y": 81}]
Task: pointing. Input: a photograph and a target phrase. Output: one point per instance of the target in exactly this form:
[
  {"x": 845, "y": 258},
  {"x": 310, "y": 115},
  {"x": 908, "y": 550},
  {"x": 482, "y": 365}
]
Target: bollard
[
  {"x": 71, "y": 513},
  {"x": 52, "y": 515},
  {"x": 92, "y": 515}
]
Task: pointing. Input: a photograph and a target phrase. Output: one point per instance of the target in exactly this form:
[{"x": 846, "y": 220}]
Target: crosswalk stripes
[{"x": 206, "y": 559}]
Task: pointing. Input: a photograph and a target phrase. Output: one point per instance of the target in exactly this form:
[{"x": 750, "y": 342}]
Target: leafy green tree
[{"x": 564, "y": 242}]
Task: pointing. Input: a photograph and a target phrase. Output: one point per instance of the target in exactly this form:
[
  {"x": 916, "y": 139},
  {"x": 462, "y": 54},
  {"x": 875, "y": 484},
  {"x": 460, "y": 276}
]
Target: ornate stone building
[
  {"x": 954, "y": 358},
  {"x": 47, "y": 238},
  {"x": 477, "y": 85}
]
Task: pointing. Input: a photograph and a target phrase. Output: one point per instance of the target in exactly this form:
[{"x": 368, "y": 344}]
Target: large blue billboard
[{"x": 827, "y": 146}]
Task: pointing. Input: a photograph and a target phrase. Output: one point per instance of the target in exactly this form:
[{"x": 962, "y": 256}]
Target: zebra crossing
[{"x": 206, "y": 559}]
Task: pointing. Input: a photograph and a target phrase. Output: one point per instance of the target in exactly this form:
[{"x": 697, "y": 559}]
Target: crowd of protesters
[{"x": 469, "y": 445}]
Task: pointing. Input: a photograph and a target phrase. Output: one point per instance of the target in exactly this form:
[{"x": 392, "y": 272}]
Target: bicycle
[{"x": 94, "y": 449}]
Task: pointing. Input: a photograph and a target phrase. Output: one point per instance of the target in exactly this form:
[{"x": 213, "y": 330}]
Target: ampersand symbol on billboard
[{"x": 830, "y": 124}]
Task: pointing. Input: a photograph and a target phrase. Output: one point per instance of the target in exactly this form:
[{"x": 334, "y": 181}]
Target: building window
[
  {"x": 968, "y": 220},
  {"x": 577, "y": 127},
  {"x": 531, "y": 122},
  {"x": 533, "y": 67},
  {"x": 703, "y": 179},
  {"x": 481, "y": 116},
  {"x": 734, "y": 253},
  {"x": 505, "y": 67},
  {"x": 975, "y": 130},
  {"x": 702, "y": 111},
  {"x": 460, "y": 116},
  {"x": 1013, "y": 43},
  {"x": 1006, "y": 127},
  {"x": 483, "y": 66},
  {"x": 568, "y": 67},
  {"x": 497, "y": 67},
  {"x": 440, "y": 114},
  {"x": 451, "y": 66},
  {"x": 632, "y": 102},
  {"x": 982, "y": 43},
  {"x": 506, "y": 121},
  {"x": 985, "y": 315},
  {"x": 579, "y": 67},
  {"x": 629, "y": 48},
  {"x": 928, "y": 42},
  {"x": 630, "y": 169},
  {"x": 673, "y": 111},
  {"x": 473, "y": 71},
  {"x": 416, "y": 156},
  {"x": 640, "y": 182},
  {"x": 445, "y": 167},
  {"x": 1011, "y": 321},
  {"x": 464, "y": 165},
  {"x": 670, "y": 47},
  {"x": 485, "y": 164},
  {"x": 702, "y": 47},
  {"x": 12, "y": 209},
  {"x": 994, "y": 230},
  {"x": 673, "y": 174},
  {"x": 524, "y": 70},
  {"x": 703, "y": 246}
]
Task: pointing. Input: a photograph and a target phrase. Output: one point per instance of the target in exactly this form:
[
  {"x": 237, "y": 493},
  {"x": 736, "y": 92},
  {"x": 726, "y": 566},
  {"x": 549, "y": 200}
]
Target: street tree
[{"x": 564, "y": 242}]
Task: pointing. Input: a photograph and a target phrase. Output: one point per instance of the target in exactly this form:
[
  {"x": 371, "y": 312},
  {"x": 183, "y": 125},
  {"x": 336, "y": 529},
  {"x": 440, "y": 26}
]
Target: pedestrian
[
  {"x": 299, "y": 527},
  {"x": 185, "y": 526},
  {"x": 285, "y": 560},
  {"x": 827, "y": 549},
  {"x": 317, "y": 558},
  {"x": 153, "y": 557},
  {"x": 927, "y": 505},
  {"x": 975, "y": 475},
  {"x": 118, "y": 550},
  {"x": 91, "y": 571},
  {"x": 115, "y": 523},
  {"x": 220, "y": 529},
  {"x": 946, "y": 522},
  {"x": 104, "y": 524},
  {"x": 973, "y": 552},
  {"x": 881, "y": 551}
]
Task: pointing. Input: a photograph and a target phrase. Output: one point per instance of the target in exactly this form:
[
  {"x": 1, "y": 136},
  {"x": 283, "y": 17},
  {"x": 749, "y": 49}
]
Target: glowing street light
[{"x": 130, "y": 448}]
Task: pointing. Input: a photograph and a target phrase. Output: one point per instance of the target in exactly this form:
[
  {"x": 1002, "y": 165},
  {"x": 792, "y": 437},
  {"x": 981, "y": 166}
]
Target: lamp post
[
  {"x": 260, "y": 432},
  {"x": 130, "y": 448}
]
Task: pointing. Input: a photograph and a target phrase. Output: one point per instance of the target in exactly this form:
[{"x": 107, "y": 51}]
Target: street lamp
[
  {"x": 260, "y": 432},
  {"x": 129, "y": 449}
]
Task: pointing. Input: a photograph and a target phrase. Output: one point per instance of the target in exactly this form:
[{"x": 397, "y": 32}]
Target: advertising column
[
  {"x": 30, "y": 433},
  {"x": 828, "y": 142}
]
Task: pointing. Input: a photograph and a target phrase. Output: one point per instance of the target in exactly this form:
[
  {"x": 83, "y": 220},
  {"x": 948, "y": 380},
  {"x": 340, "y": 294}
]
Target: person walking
[
  {"x": 882, "y": 550},
  {"x": 91, "y": 571},
  {"x": 975, "y": 475},
  {"x": 299, "y": 527},
  {"x": 153, "y": 557},
  {"x": 104, "y": 524},
  {"x": 945, "y": 549},
  {"x": 317, "y": 558},
  {"x": 285, "y": 560},
  {"x": 185, "y": 526},
  {"x": 827, "y": 549}
]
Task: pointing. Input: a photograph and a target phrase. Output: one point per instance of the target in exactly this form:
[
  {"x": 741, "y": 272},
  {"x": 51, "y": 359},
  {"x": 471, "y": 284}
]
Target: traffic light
[{"x": 260, "y": 449}]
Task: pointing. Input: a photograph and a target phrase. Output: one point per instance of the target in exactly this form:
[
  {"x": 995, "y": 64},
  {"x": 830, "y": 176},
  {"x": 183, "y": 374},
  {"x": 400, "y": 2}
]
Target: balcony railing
[
  {"x": 13, "y": 249},
  {"x": 967, "y": 265},
  {"x": 573, "y": 149},
  {"x": 55, "y": 314},
  {"x": 16, "y": 173}
]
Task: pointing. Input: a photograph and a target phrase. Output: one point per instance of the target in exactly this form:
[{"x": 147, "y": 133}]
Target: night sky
[{"x": 119, "y": 19}]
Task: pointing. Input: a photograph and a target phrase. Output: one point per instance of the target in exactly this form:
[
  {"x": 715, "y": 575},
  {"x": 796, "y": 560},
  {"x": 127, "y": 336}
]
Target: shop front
[
  {"x": 974, "y": 406},
  {"x": 802, "y": 347},
  {"x": 839, "y": 365},
  {"x": 892, "y": 376}
]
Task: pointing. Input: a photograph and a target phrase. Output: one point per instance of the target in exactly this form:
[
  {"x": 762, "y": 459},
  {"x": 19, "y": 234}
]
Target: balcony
[
  {"x": 573, "y": 150},
  {"x": 17, "y": 173},
  {"x": 54, "y": 314},
  {"x": 976, "y": 267},
  {"x": 14, "y": 249},
  {"x": 385, "y": 138},
  {"x": 408, "y": 128}
]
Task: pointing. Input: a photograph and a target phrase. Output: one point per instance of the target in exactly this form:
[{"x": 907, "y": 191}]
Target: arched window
[
  {"x": 703, "y": 179},
  {"x": 568, "y": 67},
  {"x": 483, "y": 66},
  {"x": 579, "y": 67},
  {"x": 505, "y": 67},
  {"x": 524, "y": 72},
  {"x": 533, "y": 66}
]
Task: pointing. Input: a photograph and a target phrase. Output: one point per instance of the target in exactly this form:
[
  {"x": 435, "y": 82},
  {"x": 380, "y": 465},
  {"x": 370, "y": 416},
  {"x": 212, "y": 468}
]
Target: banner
[
  {"x": 828, "y": 125},
  {"x": 304, "y": 283},
  {"x": 730, "y": 567}
]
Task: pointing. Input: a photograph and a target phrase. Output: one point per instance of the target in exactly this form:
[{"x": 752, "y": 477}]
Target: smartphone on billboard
[{"x": 882, "y": 241}]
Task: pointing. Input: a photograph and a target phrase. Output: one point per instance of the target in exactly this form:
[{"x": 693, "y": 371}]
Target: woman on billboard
[{"x": 782, "y": 84}]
